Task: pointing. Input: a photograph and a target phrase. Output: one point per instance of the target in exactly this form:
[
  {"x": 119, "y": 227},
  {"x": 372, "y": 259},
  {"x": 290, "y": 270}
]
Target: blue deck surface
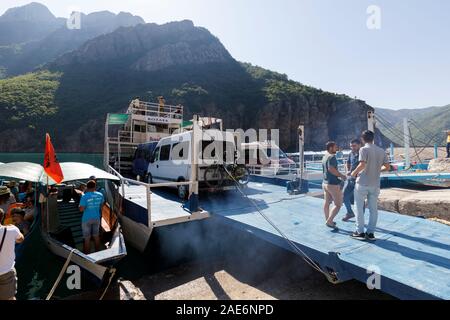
[{"x": 412, "y": 254}]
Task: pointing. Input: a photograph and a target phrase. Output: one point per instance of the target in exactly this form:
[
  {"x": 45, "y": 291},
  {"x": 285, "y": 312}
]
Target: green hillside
[
  {"x": 427, "y": 125},
  {"x": 28, "y": 99}
]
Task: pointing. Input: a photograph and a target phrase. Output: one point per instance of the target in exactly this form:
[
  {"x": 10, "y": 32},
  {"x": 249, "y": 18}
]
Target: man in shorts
[
  {"x": 332, "y": 179},
  {"x": 91, "y": 204},
  {"x": 9, "y": 236}
]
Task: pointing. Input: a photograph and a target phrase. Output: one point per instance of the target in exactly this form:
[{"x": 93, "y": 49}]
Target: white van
[{"x": 171, "y": 160}]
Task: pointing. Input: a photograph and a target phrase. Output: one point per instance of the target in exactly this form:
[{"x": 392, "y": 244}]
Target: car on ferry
[
  {"x": 171, "y": 161},
  {"x": 142, "y": 157}
]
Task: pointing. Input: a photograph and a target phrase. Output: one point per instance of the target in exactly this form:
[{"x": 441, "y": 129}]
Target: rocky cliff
[
  {"x": 180, "y": 61},
  {"x": 31, "y": 35}
]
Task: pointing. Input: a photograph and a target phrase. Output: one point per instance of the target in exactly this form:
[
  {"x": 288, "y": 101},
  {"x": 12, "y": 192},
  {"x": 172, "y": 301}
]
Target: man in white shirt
[
  {"x": 9, "y": 236},
  {"x": 372, "y": 160}
]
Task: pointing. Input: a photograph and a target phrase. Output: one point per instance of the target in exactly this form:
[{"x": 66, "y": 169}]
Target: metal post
[
  {"x": 149, "y": 206},
  {"x": 371, "y": 121},
  {"x": 193, "y": 187},
  {"x": 106, "y": 146},
  {"x": 406, "y": 138},
  {"x": 118, "y": 152},
  {"x": 436, "y": 154},
  {"x": 301, "y": 150},
  {"x": 391, "y": 152}
]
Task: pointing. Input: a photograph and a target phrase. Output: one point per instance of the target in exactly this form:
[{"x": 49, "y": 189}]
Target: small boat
[{"x": 60, "y": 225}]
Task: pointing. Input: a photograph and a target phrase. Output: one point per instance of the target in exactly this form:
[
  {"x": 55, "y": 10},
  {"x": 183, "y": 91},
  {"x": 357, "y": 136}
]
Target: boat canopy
[{"x": 35, "y": 172}]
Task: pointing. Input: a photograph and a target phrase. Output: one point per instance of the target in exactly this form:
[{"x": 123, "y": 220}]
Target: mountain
[
  {"x": 27, "y": 23},
  {"x": 31, "y": 45},
  {"x": 427, "y": 125},
  {"x": 70, "y": 96}
]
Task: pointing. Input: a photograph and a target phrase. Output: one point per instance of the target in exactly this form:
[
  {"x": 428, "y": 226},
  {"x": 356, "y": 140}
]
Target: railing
[
  {"x": 157, "y": 110},
  {"x": 148, "y": 188},
  {"x": 272, "y": 170}
]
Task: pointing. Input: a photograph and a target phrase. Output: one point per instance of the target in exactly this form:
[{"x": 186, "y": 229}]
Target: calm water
[{"x": 95, "y": 159}]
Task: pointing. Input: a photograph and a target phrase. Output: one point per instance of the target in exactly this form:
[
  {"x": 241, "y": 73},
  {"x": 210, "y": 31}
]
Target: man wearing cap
[
  {"x": 6, "y": 198},
  {"x": 9, "y": 236}
]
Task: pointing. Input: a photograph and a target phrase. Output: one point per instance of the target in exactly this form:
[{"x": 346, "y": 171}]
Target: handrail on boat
[{"x": 148, "y": 187}]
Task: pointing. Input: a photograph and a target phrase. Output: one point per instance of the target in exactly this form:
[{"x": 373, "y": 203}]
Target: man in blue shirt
[
  {"x": 352, "y": 163},
  {"x": 91, "y": 205}
]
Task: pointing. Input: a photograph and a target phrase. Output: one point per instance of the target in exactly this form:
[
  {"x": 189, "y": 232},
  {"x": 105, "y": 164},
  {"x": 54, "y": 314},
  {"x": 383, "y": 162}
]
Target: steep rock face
[
  {"x": 31, "y": 22},
  {"x": 33, "y": 11},
  {"x": 181, "y": 53},
  {"x": 187, "y": 65},
  {"x": 32, "y": 36},
  {"x": 151, "y": 47},
  {"x": 324, "y": 120}
]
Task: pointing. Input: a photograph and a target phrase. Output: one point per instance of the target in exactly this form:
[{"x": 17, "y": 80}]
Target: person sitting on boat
[
  {"x": 18, "y": 218},
  {"x": 44, "y": 192},
  {"x": 24, "y": 190},
  {"x": 28, "y": 206},
  {"x": 78, "y": 192},
  {"x": 6, "y": 198},
  {"x": 332, "y": 179},
  {"x": 12, "y": 185},
  {"x": 90, "y": 204},
  {"x": 9, "y": 236},
  {"x": 352, "y": 163}
]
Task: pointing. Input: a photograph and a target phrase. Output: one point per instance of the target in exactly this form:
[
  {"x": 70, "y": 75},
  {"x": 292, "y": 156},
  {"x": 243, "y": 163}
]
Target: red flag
[{"x": 51, "y": 164}]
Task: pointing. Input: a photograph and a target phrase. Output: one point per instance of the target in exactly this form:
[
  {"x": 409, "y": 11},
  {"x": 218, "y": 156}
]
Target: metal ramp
[
  {"x": 70, "y": 217},
  {"x": 143, "y": 208},
  {"x": 166, "y": 208},
  {"x": 412, "y": 254}
]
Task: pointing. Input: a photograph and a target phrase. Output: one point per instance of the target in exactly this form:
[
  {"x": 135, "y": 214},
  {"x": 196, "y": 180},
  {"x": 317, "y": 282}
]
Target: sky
[{"x": 394, "y": 55}]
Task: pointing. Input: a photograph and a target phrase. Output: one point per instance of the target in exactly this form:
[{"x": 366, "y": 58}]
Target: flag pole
[
  {"x": 47, "y": 191},
  {"x": 46, "y": 202}
]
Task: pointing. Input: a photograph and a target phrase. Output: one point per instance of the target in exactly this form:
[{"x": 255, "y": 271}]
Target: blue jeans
[
  {"x": 349, "y": 196},
  {"x": 371, "y": 193}
]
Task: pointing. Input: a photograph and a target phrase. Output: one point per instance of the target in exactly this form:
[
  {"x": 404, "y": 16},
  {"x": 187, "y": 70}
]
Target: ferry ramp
[{"x": 411, "y": 255}]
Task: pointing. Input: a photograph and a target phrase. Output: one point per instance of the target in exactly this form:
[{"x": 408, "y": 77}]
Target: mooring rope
[
  {"x": 109, "y": 283},
  {"x": 61, "y": 273},
  {"x": 297, "y": 250}
]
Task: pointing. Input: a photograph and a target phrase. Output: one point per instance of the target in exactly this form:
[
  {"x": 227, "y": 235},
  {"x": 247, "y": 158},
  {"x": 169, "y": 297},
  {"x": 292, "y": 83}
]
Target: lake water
[{"x": 95, "y": 159}]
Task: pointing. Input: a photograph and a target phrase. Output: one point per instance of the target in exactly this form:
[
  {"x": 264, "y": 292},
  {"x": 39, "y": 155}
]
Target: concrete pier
[{"x": 431, "y": 204}]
